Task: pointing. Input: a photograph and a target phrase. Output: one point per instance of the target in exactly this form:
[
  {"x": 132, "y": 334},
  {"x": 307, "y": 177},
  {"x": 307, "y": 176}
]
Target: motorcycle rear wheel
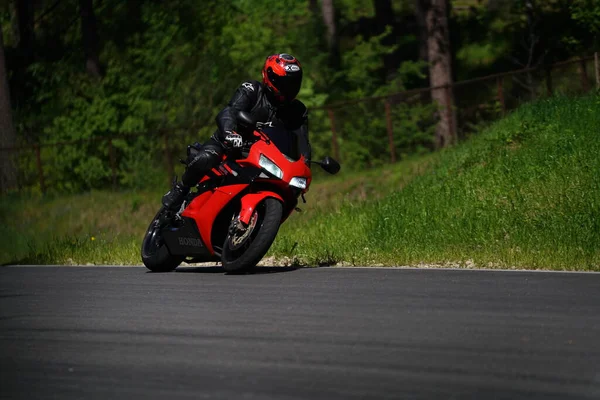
[
  {"x": 155, "y": 255},
  {"x": 238, "y": 258}
]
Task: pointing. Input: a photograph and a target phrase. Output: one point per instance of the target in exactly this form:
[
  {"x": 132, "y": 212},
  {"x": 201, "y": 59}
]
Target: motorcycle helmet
[{"x": 282, "y": 74}]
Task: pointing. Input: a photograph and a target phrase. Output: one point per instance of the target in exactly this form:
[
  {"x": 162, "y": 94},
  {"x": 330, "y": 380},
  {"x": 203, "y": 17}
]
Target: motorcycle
[{"x": 235, "y": 212}]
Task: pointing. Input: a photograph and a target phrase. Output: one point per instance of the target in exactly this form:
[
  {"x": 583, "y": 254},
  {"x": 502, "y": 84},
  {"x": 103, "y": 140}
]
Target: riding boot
[{"x": 174, "y": 197}]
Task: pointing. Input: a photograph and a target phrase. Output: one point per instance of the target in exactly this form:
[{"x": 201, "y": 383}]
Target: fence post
[
  {"x": 38, "y": 158},
  {"x": 390, "y": 132},
  {"x": 585, "y": 83},
  {"x": 500, "y": 86},
  {"x": 450, "y": 116},
  {"x": 334, "y": 141},
  {"x": 549, "y": 86},
  {"x": 597, "y": 65},
  {"x": 168, "y": 157},
  {"x": 113, "y": 163}
]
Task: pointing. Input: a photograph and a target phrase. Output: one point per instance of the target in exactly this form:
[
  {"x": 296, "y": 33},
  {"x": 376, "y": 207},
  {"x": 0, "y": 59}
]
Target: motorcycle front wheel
[
  {"x": 243, "y": 250},
  {"x": 155, "y": 255}
]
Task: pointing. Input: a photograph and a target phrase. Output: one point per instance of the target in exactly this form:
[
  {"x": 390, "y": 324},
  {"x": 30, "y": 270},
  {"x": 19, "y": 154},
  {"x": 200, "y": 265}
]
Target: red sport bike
[{"x": 235, "y": 213}]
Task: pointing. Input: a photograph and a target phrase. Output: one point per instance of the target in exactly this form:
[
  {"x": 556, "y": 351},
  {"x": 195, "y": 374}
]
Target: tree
[
  {"x": 89, "y": 35},
  {"x": 531, "y": 41},
  {"x": 25, "y": 49},
  {"x": 328, "y": 11},
  {"x": 25, "y": 15},
  {"x": 8, "y": 173},
  {"x": 440, "y": 69},
  {"x": 421, "y": 16},
  {"x": 384, "y": 19}
]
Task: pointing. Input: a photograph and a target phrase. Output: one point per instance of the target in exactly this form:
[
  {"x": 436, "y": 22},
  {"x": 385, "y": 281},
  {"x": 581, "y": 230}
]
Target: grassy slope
[{"x": 524, "y": 193}]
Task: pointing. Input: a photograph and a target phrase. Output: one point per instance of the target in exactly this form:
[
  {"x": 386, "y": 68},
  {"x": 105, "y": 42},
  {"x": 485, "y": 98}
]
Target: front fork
[
  {"x": 251, "y": 201},
  {"x": 245, "y": 222}
]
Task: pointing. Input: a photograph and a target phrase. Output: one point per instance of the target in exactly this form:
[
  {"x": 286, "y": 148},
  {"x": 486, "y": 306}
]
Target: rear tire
[
  {"x": 155, "y": 255},
  {"x": 239, "y": 260}
]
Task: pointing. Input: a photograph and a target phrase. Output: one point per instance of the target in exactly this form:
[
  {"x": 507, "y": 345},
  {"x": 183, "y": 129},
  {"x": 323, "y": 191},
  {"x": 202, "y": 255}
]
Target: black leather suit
[{"x": 255, "y": 98}]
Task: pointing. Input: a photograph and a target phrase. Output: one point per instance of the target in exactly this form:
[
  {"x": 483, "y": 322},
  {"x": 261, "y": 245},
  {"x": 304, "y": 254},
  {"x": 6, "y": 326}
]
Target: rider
[{"x": 272, "y": 102}]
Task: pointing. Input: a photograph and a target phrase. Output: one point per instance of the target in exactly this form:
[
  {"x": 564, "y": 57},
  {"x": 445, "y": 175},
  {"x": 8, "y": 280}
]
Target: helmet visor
[{"x": 288, "y": 85}]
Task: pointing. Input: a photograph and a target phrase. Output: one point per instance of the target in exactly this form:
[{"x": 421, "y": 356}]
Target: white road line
[{"x": 328, "y": 267}]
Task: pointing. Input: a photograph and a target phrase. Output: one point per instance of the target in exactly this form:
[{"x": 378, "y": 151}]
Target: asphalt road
[{"x": 322, "y": 333}]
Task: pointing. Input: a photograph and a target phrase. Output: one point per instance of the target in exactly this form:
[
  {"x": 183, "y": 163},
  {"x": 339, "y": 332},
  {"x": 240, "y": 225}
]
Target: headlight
[
  {"x": 298, "y": 182},
  {"x": 270, "y": 166}
]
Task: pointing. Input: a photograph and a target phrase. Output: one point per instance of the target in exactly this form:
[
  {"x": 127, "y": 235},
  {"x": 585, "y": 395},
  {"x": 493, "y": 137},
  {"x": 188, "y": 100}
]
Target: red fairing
[
  {"x": 290, "y": 169},
  {"x": 250, "y": 201},
  {"x": 205, "y": 208}
]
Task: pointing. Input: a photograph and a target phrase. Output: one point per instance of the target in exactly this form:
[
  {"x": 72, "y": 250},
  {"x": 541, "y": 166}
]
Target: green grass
[{"x": 524, "y": 193}]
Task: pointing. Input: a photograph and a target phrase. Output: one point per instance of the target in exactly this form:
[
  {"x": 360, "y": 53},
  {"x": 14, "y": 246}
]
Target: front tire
[
  {"x": 155, "y": 255},
  {"x": 238, "y": 258}
]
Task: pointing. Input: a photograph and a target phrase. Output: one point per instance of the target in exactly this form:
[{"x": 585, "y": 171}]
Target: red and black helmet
[{"x": 282, "y": 74}]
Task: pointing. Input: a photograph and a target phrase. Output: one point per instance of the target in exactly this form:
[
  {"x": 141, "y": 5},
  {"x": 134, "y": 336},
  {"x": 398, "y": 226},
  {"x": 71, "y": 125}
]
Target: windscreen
[{"x": 285, "y": 140}]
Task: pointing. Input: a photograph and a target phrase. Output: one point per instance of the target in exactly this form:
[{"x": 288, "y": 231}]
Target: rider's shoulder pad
[
  {"x": 250, "y": 87},
  {"x": 299, "y": 108}
]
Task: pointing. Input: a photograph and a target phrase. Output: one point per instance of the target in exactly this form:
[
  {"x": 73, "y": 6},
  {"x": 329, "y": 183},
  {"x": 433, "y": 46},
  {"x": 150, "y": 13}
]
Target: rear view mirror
[
  {"x": 246, "y": 120},
  {"x": 330, "y": 165}
]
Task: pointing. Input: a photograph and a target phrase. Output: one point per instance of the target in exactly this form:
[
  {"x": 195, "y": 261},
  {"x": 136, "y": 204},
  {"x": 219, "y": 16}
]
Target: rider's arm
[
  {"x": 243, "y": 99},
  {"x": 304, "y": 143},
  {"x": 302, "y": 131}
]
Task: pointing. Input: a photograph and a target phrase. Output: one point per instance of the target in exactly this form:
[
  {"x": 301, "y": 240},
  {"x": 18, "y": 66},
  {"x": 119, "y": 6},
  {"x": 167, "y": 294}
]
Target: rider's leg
[{"x": 199, "y": 162}]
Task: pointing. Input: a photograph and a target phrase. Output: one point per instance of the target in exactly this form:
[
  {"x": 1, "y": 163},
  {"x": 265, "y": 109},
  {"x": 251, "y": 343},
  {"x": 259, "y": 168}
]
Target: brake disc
[{"x": 241, "y": 232}]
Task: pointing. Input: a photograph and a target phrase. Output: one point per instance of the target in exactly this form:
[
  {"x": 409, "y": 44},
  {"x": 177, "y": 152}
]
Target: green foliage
[
  {"x": 363, "y": 61},
  {"x": 175, "y": 65},
  {"x": 587, "y": 14}
]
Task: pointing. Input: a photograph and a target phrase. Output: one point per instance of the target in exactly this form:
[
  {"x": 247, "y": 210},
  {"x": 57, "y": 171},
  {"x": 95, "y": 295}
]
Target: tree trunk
[
  {"x": 328, "y": 11},
  {"x": 440, "y": 70},
  {"x": 384, "y": 17},
  {"x": 531, "y": 42},
  {"x": 421, "y": 7},
  {"x": 26, "y": 32},
  {"x": 421, "y": 13},
  {"x": 597, "y": 69},
  {"x": 89, "y": 35},
  {"x": 8, "y": 173},
  {"x": 25, "y": 51},
  {"x": 585, "y": 82}
]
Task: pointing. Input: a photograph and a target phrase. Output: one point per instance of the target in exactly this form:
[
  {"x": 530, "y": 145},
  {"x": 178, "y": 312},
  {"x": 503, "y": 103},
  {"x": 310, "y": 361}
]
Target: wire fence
[
  {"x": 403, "y": 122},
  {"x": 398, "y": 125}
]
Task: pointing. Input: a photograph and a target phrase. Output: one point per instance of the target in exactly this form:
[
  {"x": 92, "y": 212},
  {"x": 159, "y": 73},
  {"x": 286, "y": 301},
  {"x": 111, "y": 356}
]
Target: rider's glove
[{"x": 233, "y": 139}]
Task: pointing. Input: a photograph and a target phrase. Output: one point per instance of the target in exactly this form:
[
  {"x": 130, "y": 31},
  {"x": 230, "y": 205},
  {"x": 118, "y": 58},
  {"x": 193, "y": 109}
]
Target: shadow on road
[{"x": 255, "y": 271}]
